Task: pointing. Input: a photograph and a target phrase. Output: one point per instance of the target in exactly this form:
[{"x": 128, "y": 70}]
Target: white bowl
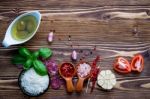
[{"x": 9, "y": 40}]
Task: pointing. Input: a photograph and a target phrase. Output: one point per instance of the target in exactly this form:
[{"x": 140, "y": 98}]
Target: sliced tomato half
[
  {"x": 137, "y": 63},
  {"x": 122, "y": 65}
]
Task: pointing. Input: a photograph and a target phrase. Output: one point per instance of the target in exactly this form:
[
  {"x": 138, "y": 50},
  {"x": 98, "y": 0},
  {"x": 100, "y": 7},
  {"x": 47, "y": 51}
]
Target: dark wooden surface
[{"x": 107, "y": 25}]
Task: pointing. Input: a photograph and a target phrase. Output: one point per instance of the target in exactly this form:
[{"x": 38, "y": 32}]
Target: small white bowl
[{"x": 9, "y": 40}]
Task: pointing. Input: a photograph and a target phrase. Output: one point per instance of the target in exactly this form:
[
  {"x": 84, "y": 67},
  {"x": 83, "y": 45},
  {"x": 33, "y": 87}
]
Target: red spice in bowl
[{"x": 67, "y": 70}]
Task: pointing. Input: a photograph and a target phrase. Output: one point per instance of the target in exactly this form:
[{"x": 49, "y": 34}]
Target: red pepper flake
[
  {"x": 95, "y": 61},
  {"x": 67, "y": 70},
  {"x": 94, "y": 72}
]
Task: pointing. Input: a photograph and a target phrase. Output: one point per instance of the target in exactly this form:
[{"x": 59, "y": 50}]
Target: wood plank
[
  {"x": 70, "y": 4},
  {"x": 104, "y": 12}
]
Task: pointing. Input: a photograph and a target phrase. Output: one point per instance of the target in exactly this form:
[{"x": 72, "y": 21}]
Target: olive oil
[{"x": 24, "y": 27}]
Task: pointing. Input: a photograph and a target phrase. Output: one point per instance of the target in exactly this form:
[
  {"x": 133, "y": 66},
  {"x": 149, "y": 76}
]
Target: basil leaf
[
  {"x": 17, "y": 59},
  {"x": 35, "y": 55},
  {"x": 24, "y": 52},
  {"x": 28, "y": 64},
  {"x": 45, "y": 52},
  {"x": 39, "y": 67}
]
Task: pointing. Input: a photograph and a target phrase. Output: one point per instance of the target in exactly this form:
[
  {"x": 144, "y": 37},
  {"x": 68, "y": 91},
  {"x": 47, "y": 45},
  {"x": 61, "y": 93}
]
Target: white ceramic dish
[{"x": 9, "y": 40}]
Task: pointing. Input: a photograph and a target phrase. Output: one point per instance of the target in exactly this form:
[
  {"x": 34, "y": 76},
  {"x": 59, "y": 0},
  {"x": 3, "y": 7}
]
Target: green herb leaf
[
  {"x": 17, "y": 59},
  {"x": 39, "y": 67},
  {"x": 24, "y": 52},
  {"x": 35, "y": 54},
  {"x": 45, "y": 52},
  {"x": 28, "y": 64}
]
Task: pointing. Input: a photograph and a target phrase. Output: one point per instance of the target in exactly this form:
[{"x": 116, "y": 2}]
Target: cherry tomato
[
  {"x": 122, "y": 65},
  {"x": 137, "y": 63}
]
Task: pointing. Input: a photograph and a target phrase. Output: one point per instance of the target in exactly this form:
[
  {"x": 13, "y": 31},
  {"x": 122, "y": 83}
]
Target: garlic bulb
[{"x": 106, "y": 79}]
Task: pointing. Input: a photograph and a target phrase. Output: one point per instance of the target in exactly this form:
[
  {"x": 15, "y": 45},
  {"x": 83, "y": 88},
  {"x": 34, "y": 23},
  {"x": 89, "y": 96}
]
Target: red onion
[
  {"x": 55, "y": 82},
  {"x": 51, "y": 67}
]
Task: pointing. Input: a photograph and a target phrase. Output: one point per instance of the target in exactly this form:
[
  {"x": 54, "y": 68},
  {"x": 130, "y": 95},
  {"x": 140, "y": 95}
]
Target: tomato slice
[
  {"x": 122, "y": 65},
  {"x": 137, "y": 63}
]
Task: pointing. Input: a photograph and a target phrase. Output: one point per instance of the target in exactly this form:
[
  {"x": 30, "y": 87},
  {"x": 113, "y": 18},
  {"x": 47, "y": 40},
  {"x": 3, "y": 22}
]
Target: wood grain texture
[{"x": 95, "y": 27}]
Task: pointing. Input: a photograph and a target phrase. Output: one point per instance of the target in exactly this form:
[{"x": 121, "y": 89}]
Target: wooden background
[{"x": 108, "y": 28}]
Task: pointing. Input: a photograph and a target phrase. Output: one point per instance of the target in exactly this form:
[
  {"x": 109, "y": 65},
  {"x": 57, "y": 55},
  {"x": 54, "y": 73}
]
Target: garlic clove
[
  {"x": 74, "y": 55},
  {"x": 50, "y": 37},
  {"x": 113, "y": 81},
  {"x": 101, "y": 82}
]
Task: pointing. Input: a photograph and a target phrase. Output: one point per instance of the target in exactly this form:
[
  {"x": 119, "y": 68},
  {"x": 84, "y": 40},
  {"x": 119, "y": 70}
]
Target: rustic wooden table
[{"x": 95, "y": 27}]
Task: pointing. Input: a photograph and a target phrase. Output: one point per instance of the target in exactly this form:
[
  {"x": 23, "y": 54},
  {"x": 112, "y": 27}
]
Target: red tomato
[
  {"x": 122, "y": 65},
  {"x": 137, "y": 63}
]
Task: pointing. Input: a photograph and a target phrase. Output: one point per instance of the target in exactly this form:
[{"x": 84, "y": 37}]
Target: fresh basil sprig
[
  {"x": 18, "y": 59},
  {"x": 39, "y": 67},
  {"x": 45, "y": 52},
  {"x": 30, "y": 59},
  {"x": 24, "y": 52}
]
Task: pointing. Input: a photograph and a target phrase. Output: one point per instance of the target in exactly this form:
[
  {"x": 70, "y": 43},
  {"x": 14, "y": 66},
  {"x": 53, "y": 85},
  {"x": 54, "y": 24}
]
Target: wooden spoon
[
  {"x": 69, "y": 84},
  {"x": 81, "y": 80}
]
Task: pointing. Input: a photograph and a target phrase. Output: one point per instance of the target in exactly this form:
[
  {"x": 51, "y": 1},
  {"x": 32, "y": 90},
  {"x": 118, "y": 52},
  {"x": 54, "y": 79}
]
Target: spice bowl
[
  {"x": 67, "y": 71},
  {"x": 83, "y": 73},
  {"x": 23, "y": 89}
]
